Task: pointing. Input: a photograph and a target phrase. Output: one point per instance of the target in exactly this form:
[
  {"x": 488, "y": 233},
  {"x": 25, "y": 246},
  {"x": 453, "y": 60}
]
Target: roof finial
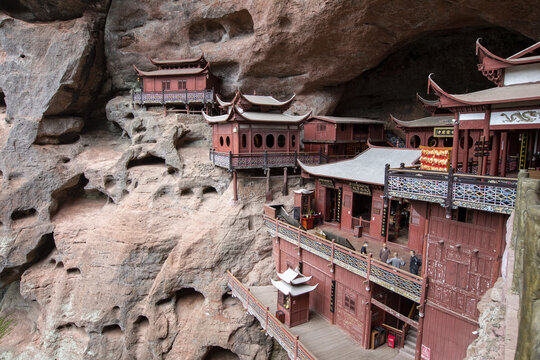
[{"x": 478, "y": 45}]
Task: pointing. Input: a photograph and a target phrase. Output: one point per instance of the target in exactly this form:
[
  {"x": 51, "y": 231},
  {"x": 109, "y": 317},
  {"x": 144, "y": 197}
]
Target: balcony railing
[
  {"x": 269, "y": 322},
  {"x": 173, "y": 97},
  {"x": 394, "y": 279},
  {"x": 487, "y": 193},
  {"x": 264, "y": 160}
]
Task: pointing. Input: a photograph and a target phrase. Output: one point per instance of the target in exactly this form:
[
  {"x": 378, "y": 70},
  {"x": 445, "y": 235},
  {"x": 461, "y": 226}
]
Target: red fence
[
  {"x": 173, "y": 97},
  {"x": 269, "y": 322},
  {"x": 394, "y": 279}
]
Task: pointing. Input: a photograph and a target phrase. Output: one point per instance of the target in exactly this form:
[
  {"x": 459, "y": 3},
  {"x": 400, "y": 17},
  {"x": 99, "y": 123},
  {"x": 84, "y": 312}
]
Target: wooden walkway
[{"x": 323, "y": 340}]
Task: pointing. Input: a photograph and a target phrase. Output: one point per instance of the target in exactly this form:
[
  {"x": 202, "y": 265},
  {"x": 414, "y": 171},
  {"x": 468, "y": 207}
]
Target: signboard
[
  {"x": 426, "y": 353},
  {"x": 443, "y": 132},
  {"x": 360, "y": 189},
  {"x": 435, "y": 158},
  {"x": 508, "y": 118},
  {"x": 326, "y": 183}
]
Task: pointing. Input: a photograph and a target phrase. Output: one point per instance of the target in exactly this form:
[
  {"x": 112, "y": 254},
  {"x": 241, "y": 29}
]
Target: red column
[
  {"x": 494, "y": 155},
  {"x": 455, "y": 146},
  {"x": 504, "y": 152},
  {"x": 466, "y": 149},
  {"x": 486, "y": 139}
]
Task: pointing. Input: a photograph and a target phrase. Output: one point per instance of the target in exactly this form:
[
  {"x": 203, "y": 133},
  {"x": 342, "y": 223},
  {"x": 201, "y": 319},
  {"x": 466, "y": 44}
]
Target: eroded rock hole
[
  {"x": 187, "y": 300},
  {"x": 163, "y": 301},
  {"x": 109, "y": 181},
  {"x": 250, "y": 223},
  {"x": 2, "y": 99},
  {"x": 73, "y": 330},
  {"x": 113, "y": 330},
  {"x": 239, "y": 23},
  {"x": 65, "y": 160},
  {"x": 219, "y": 353},
  {"x": 23, "y": 215},
  {"x": 172, "y": 170},
  {"x": 448, "y": 54},
  {"x": 73, "y": 271},
  {"x": 206, "y": 30},
  {"x": 186, "y": 192},
  {"x": 72, "y": 192},
  {"x": 130, "y": 116},
  {"x": 60, "y": 264},
  {"x": 146, "y": 160},
  {"x": 209, "y": 190},
  {"x": 141, "y": 325}
]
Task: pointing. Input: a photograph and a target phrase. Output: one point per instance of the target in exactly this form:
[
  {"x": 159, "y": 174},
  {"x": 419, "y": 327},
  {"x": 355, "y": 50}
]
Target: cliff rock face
[{"x": 115, "y": 229}]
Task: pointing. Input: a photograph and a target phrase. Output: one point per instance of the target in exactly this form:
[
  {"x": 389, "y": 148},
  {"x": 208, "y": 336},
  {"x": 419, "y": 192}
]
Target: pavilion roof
[
  {"x": 252, "y": 116},
  {"x": 293, "y": 277},
  {"x": 503, "y": 94},
  {"x": 347, "y": 120},
  {"x": 430, "y": 121},
  {"x": 262, "y": 100},
  {"x": 293, "y": 290},
  {"x": 173, "y": 62},
  {"x": 492, "y": 61},
  {"x": 171, "y": 72},
  {"x": 367, "y": 167}
]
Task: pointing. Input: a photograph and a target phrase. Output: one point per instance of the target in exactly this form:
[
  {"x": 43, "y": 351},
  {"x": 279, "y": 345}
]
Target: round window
[
  {"x": 415, "y": 141},
  {"x": 244, "y": 140},
  {"x": 228, "y": 141},
  {"x": 293, "y": 141},
  {"x": 432, "y": 141},
  {"x": 221, "y": 140}
]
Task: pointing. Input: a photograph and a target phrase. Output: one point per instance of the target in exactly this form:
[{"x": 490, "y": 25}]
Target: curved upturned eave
[
  {"x": 497, "y": 62},
  {"x": 278, "y": 103},
  {"x": 177, "y": 61},
  {"x": 292, "y": 119},
  {"x": 222, "y": 103},
  {"x": 217, "y": 119}
]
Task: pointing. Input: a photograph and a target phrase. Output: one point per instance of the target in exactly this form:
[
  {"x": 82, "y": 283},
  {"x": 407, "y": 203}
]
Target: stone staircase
[{"x": 409, "y": 350}]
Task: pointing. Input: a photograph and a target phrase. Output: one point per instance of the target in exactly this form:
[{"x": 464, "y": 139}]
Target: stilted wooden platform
[{"x": 323, "y": 340}]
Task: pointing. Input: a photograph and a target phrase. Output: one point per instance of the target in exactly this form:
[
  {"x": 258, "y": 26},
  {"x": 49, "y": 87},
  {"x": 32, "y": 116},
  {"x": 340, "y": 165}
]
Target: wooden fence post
[
  {"x": 266, "y": 322},
  {"x": 296, "y": 347}
]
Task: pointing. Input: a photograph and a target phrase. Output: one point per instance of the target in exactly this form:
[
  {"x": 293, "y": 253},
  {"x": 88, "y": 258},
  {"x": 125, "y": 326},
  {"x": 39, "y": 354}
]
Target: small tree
[{"x": 5, "y": 326}]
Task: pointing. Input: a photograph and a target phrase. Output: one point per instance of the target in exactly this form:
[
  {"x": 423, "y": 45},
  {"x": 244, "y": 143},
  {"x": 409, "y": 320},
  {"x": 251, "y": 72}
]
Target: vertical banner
[
  {"x": 523, "y": 150},
  {"x": 338, "y": 206},
  {"x": 384, "y": 218}
]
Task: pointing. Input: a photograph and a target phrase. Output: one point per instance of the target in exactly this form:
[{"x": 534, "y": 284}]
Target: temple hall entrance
[
  {"x": 398, "y": 219},
  {"x": 330, "y": 213}
]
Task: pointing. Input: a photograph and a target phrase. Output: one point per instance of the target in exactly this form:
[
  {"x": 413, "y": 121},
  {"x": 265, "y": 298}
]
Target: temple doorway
[
  {"x": 361, "y": 208},
  {"x": 398, "y": 229},
  {"x": 331, "y": 205}
]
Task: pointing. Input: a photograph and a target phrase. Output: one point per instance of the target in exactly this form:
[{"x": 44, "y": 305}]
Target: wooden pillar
[
  {"x": 494, "y": 155},
  {"x": 455, "y": 146},
  {"x": 235, "y": 186},
  {"x": 466, "y": 145},
  {"x": 268, "y": 186},
  {"x": 504, "y": 152},
  {"x": 285, "y": 191},
  {"x": 369, "y": 289},
  {"x": 421, "y": 315}
]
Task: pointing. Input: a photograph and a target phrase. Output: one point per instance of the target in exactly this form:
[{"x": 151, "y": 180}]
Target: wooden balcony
[
  {"x": 451, "y": 190},
  {"x": 394, "y": 279},
  {"x": 173, "y": 97},
  {"x": 264, "y": 160}
]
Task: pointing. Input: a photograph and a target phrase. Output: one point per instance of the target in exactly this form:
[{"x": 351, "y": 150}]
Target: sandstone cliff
[{"x": 115, "y": 230}]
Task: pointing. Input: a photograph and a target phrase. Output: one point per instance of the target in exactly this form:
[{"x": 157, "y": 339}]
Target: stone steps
[{"x": 409, "y": 350}]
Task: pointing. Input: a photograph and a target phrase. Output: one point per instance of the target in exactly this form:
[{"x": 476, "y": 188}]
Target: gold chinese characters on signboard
[
  {"x": 434, "y": 158},
  {"x": 443, "y": 132},
  {"x": 360, "y": 189},
  {"x": 326, "y": 183}
]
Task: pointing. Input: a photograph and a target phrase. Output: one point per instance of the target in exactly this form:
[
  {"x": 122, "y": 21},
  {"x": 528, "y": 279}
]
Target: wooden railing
[
  {"x": 264, "y": 160},
  {"x": 397, "y": 280},
  {"x": 173, "y": 97},
  {"x": 487, "y": 193},
  {"x": 273, "y": 327}
]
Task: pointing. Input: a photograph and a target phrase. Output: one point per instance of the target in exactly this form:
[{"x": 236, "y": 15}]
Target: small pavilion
[
  {"x": 255, "y": 133},
  {"x": 182, "y": 82},
  {"x": 293, "y": 296}
]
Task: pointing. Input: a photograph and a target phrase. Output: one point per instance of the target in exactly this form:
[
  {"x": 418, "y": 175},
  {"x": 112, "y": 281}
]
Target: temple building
[
  {"x": 448, "y": 197},
  {"x": 341, "y": 137},
  {"x": 255, "y": 133},
  {"x": 185, "y": 82}
]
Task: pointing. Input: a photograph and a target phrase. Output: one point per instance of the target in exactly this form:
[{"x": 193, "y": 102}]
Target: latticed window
[
  {"x": 166, "y": 85},
  {"x": 182, "y": 84},
  {"x": 321, "y": 127},
  {"x": 350, "y": 303}
]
